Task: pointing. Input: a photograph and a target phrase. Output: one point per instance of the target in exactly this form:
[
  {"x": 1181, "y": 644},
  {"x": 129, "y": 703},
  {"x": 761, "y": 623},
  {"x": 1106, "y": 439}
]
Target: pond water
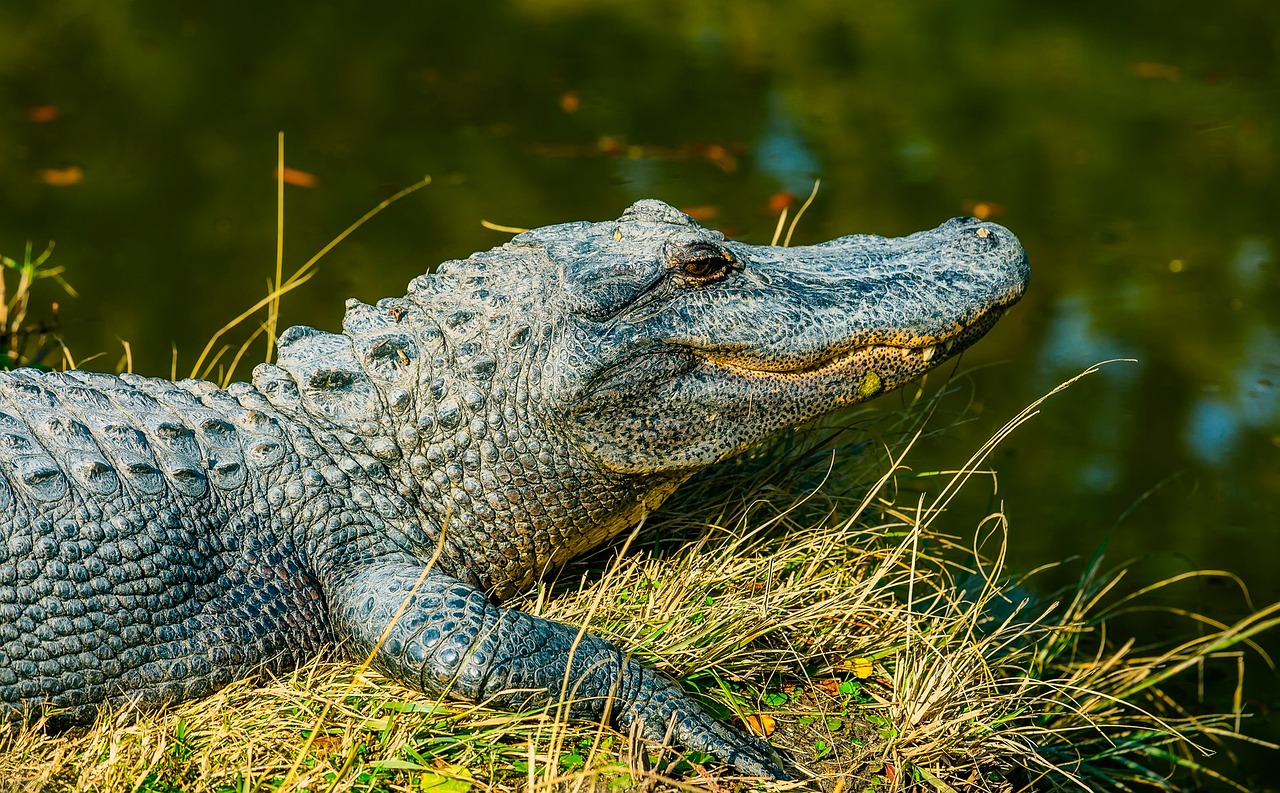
[{"x": 1133, "y": 147}]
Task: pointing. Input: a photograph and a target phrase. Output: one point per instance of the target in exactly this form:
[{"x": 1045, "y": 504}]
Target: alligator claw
[{"x": 665, "y": 703}]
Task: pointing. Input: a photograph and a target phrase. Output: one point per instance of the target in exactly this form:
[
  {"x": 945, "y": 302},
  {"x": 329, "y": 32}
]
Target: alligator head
[
  {"x": 552, "y": 388},
  {"x": 680, "y": 348}
]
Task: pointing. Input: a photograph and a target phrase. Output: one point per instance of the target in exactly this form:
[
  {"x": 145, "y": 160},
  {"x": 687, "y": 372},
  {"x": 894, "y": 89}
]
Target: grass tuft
[
  {"x": 24, "y": 343},
  {"x": 208, "y": 364}
]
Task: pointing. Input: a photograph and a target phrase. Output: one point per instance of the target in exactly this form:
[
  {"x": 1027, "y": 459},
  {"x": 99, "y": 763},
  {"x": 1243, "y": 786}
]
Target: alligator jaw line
[{"x": 926, "y": 352}]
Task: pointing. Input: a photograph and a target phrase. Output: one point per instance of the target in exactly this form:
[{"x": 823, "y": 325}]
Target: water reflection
[
  {"x": 782, "y": 152},
  {"x": 1073, "y": 342},
  {"x": 1250, "y": 401},
  {"x": 1249, "y": 264}
]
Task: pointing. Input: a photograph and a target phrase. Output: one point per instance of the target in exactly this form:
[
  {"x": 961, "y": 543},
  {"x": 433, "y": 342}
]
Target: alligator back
[{"x": 138, "y": 552}]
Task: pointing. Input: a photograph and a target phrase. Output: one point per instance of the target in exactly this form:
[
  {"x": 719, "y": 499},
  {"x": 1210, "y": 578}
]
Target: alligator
[{"x": 385, "y": 488}]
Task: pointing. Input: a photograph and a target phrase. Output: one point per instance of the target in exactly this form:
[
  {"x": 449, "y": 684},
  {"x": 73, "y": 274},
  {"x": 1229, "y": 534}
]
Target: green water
[{"x": 1132, "y": 146}]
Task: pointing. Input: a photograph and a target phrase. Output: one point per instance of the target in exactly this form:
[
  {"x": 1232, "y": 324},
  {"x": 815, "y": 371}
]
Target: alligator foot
[{"x": 450, "y": 639}]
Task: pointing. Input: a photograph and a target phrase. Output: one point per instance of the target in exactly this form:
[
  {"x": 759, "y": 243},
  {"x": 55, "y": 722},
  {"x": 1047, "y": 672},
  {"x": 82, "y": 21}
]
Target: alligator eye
[{"x": 704, "y": 263}]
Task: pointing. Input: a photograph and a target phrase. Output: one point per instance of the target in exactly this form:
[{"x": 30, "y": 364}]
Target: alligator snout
[{"x": 985, "y": 252}]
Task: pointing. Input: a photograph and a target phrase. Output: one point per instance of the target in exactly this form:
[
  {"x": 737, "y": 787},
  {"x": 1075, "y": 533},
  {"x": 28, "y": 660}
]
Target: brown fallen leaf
[
  {"x": 761, "y": 724},
  {"x": 830, "y": 685}
]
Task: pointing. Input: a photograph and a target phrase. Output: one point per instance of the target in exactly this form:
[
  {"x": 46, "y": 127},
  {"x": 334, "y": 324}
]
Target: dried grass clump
[{"x": 805, "y": 596}]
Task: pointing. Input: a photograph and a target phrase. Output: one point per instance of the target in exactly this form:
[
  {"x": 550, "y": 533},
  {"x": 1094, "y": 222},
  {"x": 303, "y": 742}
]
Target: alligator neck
[{"x": 457, "y": 432}]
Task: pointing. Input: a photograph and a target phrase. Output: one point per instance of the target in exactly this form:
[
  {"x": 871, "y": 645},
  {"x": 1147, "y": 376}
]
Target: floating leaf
[
  {"x": 43, "y": 114},
  {"x": 65, "y": 176},
  {"x": 297, "y": 178}
]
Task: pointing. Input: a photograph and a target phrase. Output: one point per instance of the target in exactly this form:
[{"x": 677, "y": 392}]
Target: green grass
[{"x": 24, "y": 343}]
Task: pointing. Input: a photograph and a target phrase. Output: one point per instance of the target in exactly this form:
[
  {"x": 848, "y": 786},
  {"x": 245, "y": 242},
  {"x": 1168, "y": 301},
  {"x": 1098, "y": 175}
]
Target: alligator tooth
[
  {"x": 927, "y": 353},
  {"x": 949, "y": 344}
]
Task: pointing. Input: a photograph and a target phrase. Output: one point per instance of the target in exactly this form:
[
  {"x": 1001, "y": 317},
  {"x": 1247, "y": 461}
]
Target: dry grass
[
  {"x": 806, "y": 590},
  {"x": 210, "y": 365},
  {"x": 23, "y": 343}
]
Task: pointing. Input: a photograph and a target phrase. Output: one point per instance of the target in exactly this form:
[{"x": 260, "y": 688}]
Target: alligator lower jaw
[
  {"x": 869, "y": 370},
  {"x": 893, "y": 364}
]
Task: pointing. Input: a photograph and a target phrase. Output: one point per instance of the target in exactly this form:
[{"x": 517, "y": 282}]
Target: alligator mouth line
[{"x": 841, "y": 358}]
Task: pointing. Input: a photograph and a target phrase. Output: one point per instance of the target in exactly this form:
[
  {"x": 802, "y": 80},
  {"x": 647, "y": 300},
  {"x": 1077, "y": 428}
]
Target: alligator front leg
[{"x": 450, "y": 639}]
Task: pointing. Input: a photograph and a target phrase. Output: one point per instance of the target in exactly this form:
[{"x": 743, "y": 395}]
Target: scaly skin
[{"x": 512, "y": 410}]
